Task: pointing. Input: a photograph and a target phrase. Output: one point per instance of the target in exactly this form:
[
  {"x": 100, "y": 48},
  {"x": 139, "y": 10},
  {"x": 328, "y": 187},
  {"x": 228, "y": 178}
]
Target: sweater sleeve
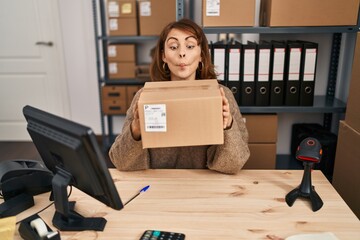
[
  {"x": 126, "y": 153},
  {"x": 231, "y": 156}
]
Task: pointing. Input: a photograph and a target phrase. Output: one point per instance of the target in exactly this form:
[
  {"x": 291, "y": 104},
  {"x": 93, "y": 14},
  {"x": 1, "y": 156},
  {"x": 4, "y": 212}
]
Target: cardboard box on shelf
[
  {"x": 121, "y": 9},
  {"x": 262, "y": 156},
  {"x": 292, "y": 13},
  {"x": 130, "y": 93},
  {"x": 347, "y": 164},
  {"x": 121, "y": 53},
  {"x": 262, "y": 128},
  {"x": 352, "y": 116},
  {"x": 181, "y": 113},
  {"x": 229, "y": 13},
  {"x": 113, "y": 99},
  {"x": 154, "y": 15},
  {"x": 122, "y": 27},
  {"x": 121, "y": 70}
]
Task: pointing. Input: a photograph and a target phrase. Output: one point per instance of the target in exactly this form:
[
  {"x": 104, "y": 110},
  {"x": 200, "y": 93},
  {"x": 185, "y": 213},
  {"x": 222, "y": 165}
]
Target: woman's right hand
[{"x": 135, "y": 124}]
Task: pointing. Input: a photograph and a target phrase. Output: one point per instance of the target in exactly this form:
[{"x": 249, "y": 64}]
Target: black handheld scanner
[{"x": 309, "y": 150}]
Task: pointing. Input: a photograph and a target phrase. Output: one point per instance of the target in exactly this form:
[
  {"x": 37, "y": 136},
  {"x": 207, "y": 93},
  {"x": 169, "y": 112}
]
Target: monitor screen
[{"x": 70, "y": 150}]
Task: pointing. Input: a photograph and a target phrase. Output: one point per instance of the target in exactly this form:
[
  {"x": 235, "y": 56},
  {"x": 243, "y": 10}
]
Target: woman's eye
[
  {"x": 173, "y": 47},
  {"x": 190, "y": 46}
]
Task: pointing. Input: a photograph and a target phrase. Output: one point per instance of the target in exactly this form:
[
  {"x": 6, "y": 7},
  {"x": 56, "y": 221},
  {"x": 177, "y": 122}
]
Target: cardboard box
[
  {"x": 262, "y": 156},
  {"x": 262, "y": 128},
  {"x": 121, "y": 53},
  {"x": 113, "y": 99},
  {"x": 228, "y": 13},
  {"x": 121, "y": 70},
  {"x": 121, "y": 9},
  {"x": 279, "y": 13},
  {"x": 352, "y": 116},
  {"x": 122, "y": 27},
  {"x": 346, "y": 178},
  {"x": 154, "y": 15},
  {"x": 181, "y": 113}
]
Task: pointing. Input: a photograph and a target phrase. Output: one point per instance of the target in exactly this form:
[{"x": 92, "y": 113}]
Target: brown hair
[{"x": 206, "y": 68}]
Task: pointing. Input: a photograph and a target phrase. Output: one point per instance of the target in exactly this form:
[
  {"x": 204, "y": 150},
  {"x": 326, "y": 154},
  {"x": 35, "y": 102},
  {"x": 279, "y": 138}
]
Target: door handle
[{"x": 49, "y": 44}]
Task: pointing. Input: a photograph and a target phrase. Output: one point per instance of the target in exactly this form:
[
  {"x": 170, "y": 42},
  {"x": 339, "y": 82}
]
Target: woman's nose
[{"x": 182, "y": 55}]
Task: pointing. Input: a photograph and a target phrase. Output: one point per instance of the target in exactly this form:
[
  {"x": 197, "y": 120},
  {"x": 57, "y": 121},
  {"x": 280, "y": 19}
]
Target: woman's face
[{"x": 182, "y": 54}]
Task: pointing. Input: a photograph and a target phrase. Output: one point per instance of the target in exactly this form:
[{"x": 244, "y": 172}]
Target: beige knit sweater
[{"x": 128, "y": 155}]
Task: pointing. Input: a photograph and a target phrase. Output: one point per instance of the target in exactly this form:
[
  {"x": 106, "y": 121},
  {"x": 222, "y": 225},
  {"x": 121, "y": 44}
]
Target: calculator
[{"x": 161, "y": 235}]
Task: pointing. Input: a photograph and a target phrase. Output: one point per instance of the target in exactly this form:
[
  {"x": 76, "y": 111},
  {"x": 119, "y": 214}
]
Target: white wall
[{"x": 80, "y": 61}]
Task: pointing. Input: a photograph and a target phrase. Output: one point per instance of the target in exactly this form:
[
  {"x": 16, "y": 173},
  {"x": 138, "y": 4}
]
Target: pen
[{"x": 144, "y": 189}]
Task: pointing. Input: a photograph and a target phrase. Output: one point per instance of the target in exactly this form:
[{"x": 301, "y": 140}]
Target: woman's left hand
[{"x": 227, "y": 118}]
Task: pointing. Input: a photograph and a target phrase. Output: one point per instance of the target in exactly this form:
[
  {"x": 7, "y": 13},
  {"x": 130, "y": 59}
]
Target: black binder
[
  {"x": 218, "y": 52},
  {"x": 308, "y": 72},
  {"x": 262, "y": 74},
  {"x": 233, "y": 60},
  {"x": 247, "y": 85},
  {"x": 292, "y": 73},
  {"x": 277, "y": 68}
]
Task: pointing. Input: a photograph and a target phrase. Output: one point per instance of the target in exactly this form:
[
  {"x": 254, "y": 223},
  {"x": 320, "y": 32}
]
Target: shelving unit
[
  {"x": 327, "y": 104},
  {"x": 101, "y": 42}
]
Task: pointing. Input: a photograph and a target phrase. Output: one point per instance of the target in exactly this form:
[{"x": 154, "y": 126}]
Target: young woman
[{"x": 182, "y": 54}]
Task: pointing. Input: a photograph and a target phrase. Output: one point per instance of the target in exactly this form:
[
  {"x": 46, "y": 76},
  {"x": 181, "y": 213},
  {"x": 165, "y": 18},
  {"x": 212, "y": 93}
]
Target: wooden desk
[{"x": 207, "y": 205}]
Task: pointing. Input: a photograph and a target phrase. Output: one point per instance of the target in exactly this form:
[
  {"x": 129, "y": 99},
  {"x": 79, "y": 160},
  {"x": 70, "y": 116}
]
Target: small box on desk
[
  {"x": 181, "y": 113},
  {"x": 229, "y": 13}
]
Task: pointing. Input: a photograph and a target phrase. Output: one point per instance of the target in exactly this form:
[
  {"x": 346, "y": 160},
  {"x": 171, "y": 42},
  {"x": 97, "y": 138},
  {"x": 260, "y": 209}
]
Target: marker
[{"x": 144, "y": 189}]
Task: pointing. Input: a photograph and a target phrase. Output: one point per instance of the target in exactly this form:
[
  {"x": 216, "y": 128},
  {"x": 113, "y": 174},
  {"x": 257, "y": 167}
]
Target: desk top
[{"x": 207, "y": 205}]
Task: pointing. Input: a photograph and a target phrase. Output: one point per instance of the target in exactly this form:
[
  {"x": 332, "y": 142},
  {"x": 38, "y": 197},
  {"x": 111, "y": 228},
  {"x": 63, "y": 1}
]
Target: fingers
[{"x": 227, "y": 118}]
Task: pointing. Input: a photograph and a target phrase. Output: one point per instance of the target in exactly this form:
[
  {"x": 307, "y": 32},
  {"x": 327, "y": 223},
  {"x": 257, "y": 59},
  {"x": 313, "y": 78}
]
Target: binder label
[
  {"x": 213, "y": 8},
  {"x": 294, "y": 64},
  {"x": 310, "y": 63},
  {"x": 219, "y": 63},
  {"x": 234, "y": 64},
  {"x": 264, "y": 65},
  {"x": 155, "y": 117},
  {"x": 249, "y": 65},
  {"x": 279, "y": 62}
]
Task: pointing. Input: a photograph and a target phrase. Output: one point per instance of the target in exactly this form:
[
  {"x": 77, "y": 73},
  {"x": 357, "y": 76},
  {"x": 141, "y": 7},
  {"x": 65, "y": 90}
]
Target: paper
[{"x": 7, "y": 228}]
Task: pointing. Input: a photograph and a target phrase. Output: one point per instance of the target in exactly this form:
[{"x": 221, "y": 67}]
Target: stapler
[{"x": 19, "y": 181}]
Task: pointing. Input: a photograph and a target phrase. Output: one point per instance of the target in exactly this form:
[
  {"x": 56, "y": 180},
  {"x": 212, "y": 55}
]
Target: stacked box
[
  {"x": 228, "y": 13},
  {"x": 122, "y": 18},
  {"x": 295, "y": 13},
  {"x": 117, "y": 99},
  {"x": 262, "y": 130},
  {"x": 154, "y": 15},
  {"x": 121, "y": 61}
]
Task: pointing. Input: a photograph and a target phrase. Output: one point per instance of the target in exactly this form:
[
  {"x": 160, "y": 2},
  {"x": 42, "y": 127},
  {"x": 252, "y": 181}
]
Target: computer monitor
[{"x": 71, "y": 152}]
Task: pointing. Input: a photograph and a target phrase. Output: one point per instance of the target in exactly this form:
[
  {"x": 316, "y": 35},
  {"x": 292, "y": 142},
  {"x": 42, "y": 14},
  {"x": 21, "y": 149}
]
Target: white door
[{"x": 31, "y": 63}]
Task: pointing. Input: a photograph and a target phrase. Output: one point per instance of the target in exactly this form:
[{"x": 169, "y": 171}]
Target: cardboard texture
[
  {"x": 262, "y": 128},
  {"x": 122, "y": 27},
  {"x": 154, "y": 15},
  {"x": 114, "y": 100},
  {"x": 276, "y": 13},
  {"x": 229, "y": 13},
  {"x": 262, "y": 156},
  {"x": 346, "y": 178},
  {"x": 181, "y": 113},
  {"x": 121, "y": 70},
  {"x": 352, "y": 116},
  {"x": 121, "y": 53}
]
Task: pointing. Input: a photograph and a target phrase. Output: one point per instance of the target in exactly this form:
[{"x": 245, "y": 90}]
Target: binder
[
  {"x": 308, "y": 72},
  {"x": 292, "y": 79},
  {"x": 262, "y": 73},
  {"x": 247, "y": 84},
  {"x": 277, "y": 68},
  {"x": 218, "y": 52},
  {"x": 233, "y": 60}
]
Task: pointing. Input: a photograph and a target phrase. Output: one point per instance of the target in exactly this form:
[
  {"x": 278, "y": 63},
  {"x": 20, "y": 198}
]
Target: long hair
[{"x": 205, "y": 69}]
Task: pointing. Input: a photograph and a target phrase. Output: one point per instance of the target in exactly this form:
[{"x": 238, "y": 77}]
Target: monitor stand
[{"x": 65, "y": 217}]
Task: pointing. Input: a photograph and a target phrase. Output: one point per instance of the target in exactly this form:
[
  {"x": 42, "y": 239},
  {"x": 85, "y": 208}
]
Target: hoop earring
[
  {"x": 166, "y": 68},
  {"x": 201, "y": 66}
]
